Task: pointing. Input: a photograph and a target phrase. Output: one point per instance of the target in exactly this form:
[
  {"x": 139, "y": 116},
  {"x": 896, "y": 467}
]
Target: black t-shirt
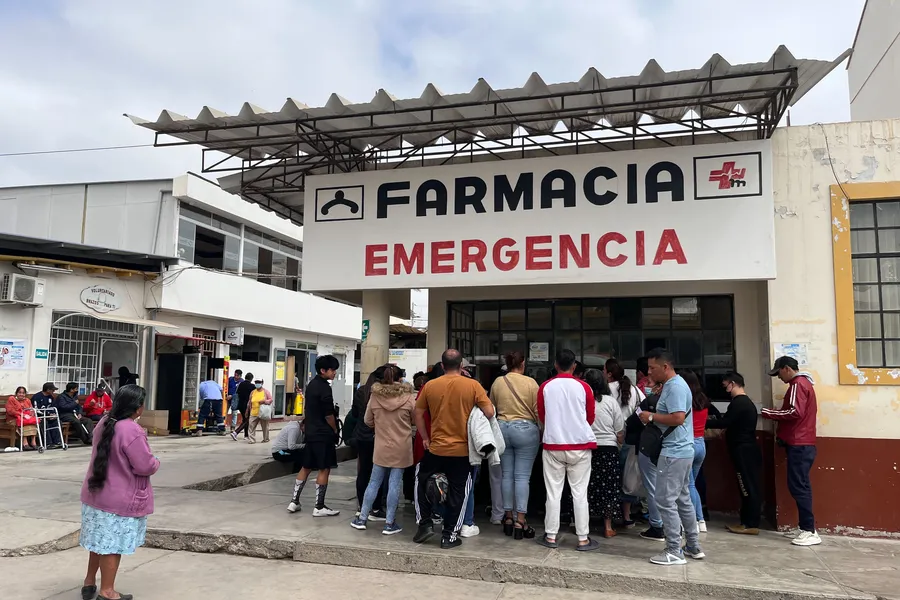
[
  {"x": 739, "y": 422},
  {"x": 243, "y": 391},
  {"x": 318, "y": 404}
]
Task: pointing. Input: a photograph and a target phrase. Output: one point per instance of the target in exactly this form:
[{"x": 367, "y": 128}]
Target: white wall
[
  {"x": 123, "y": 216},
  {"x": 874, "y": 69},
  {"x": 62, "y": 292},
  {"x": 801, "y": 299}
]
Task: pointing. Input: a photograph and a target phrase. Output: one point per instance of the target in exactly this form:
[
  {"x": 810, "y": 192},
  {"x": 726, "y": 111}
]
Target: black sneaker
[
  {"x": 378, "y": 515},
  {"x": 426, "y": 530},
  {"x": 655, "y": 534},
  {"x": 446, "y": 544}
]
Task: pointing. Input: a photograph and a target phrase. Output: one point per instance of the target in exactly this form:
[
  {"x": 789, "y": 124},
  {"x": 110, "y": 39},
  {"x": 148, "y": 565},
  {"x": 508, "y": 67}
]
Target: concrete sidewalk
[{"x": 41, "y": 513}]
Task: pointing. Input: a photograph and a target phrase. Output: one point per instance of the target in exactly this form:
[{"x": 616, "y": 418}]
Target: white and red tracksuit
[{"x": 566, "y": 407}]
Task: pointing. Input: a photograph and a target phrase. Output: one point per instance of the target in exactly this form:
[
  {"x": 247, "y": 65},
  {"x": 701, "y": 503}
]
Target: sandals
[
  {"x": 88, "y": 592},
  {"x": 591, "y": 545},
  {"x": 543, "y": 541},
  {"x": 121, "y": 597},
  {"x": 508, "y": 525},
  {"x": 523, "y": 530}
]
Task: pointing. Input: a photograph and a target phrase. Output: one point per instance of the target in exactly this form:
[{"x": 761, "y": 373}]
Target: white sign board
[
  {"x": 13, "y": 354},
  {"x": 538, "y": 352},
  {"x": 684, "y": 213},
  {"x": 234, "y": 336},
  {"x": 101, "y": 298},
  {"x": 797, "y": 351}
]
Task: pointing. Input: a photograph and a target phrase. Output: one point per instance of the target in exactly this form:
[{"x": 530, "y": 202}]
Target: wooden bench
[{"x": 9, "y": 433}]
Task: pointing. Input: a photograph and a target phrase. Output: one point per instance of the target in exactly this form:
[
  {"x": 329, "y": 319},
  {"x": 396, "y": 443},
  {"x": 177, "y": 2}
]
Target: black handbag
[{"x": 652, "y": 439}]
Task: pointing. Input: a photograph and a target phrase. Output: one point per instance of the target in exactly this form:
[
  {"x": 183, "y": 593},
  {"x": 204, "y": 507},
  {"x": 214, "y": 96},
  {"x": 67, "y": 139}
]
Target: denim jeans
[
  {"x": 648, "y": 474},
  {"x": 800, "y": 460},
  {"x": 673, "y": 477},
  {"x": 395, "y": 483},
  {"x": 523, "y": 440},
  {"x": 699, "y": 456}
]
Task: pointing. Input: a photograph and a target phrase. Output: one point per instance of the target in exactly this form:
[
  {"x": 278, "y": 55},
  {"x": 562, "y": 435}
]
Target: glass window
[
  {"x": 626, "y": 313},
  {"x": 540, "y": 315},
  {"x": 251, "y": 260},
  {"x": 540, "y": 347},
  {"x": 194, "y": 213},
  {"x": 595, "y": 314},
  {"x": 568, "y": 316},
  {"x": 715, "y": 312},
  {"x": 279, "y": 270},
  {"x": 226, "y": 225},
  {"x": 875, "y": 260},
  {"x": 685, "y": 313},
  {"x": 253, "y": 235},
  {"x": 655, "y": 313},
  {"x": 293, "y": 271},
  {"x": 511, "y": 341},
  {"x": 265, "y": 266},
  {"x": 627, "y": 347},
  {"x": 187, "y": 233},
  {"x": 487, "y": 347},
  {"x": 232, "y": 254},
  {"x": 569, "y": 340},
  {"x": 255, "y": 349},
  {"x": 512, "y": 315},
  {"x": 487, "y": 316},
  {"x": 687, "y": 347},
  {"x": 597, "y": 348}
]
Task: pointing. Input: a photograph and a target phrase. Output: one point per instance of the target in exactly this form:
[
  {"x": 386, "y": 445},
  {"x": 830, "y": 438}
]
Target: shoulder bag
[
  {"x": 652, "y": 439},
  {"x": 516, "y": 395}
]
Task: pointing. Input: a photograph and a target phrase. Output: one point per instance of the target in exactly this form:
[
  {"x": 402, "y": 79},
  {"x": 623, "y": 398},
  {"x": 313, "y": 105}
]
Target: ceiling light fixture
[{"x": 44, "y": 268}]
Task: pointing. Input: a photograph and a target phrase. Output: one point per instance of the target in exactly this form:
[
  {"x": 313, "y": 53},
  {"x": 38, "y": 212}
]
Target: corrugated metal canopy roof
[{"x": 271, "y": 152}]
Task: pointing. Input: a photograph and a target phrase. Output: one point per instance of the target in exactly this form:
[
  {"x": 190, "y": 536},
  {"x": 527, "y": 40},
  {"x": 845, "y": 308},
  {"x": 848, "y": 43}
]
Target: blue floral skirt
[{"x": 106, "y": 533}]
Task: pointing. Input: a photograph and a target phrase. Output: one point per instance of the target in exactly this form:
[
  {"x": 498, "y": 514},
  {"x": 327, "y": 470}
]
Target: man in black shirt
[
  {"x": 739, "y": 423},
  {"x": 320, "y": 424},
  {"x": 45, "y": 399},
  {"x": 70, "y": 412},
  {"x": 243, "y": 391}
]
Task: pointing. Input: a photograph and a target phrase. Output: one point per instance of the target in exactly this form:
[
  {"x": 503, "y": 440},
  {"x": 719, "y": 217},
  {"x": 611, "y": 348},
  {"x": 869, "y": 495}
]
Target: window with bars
[
  {"x": 875, "y": 254},
  {"x": 74, "y": 353}
]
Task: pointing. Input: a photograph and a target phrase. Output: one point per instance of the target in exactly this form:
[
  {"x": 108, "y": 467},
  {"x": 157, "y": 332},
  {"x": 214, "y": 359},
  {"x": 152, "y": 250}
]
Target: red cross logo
[{"x": 728, "y": 176}]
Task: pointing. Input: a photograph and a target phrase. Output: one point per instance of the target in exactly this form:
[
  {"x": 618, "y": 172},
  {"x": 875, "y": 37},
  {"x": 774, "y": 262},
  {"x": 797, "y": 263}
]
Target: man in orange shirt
[{"x": 449, "y": 400}]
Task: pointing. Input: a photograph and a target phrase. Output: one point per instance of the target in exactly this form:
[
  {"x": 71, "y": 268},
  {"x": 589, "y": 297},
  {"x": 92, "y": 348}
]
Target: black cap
[
  {"x": 49, "y": 387},
  {"x": 782, "y": 362}
]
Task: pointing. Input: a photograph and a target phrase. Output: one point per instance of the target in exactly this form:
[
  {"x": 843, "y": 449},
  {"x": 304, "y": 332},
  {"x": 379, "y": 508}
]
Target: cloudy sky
[{"x": 71, "y": 68}]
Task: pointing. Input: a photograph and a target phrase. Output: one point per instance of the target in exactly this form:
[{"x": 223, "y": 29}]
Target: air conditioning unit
[{"x": 22, "y": 289}]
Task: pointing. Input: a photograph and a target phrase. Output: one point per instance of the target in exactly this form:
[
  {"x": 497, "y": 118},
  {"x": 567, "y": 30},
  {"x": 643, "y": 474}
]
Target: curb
[
  {"x": 167, "y": 539},
  {"x": 66, "y": 542},
  {"x": 500, "y": 571}
]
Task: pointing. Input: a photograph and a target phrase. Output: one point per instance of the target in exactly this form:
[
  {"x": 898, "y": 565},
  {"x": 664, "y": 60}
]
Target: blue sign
[{"x": 41, "y": 353}]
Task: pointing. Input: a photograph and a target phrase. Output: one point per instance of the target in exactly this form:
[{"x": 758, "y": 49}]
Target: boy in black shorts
[{"x": 321, "y": 436}]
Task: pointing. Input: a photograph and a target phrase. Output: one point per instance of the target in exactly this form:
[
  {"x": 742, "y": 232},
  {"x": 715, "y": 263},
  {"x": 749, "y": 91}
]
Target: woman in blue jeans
[
  {"x": 515, "y": 396},
  {"x": 701, "y": 413}
]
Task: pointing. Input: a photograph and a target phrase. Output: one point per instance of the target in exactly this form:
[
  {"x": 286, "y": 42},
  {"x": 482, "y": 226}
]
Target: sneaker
[
  {"x": 668, "y": 559},
  {"x": 628, "y": 524},
  {"x": 468, "y": 531},
  {"x": 325, "y": 512},
  {"x": 695, "y": 553},
  {"x": 701, "y": 526},
  {"x": 234, "y": 436},
  {"x": 378, "y": 515},
  {"x": 807, "y": 538},
  {"x": 426, "y": 530},
  {"x": 294, "y": 507},
  {"x": 496, "y": 521},
  {"x": 446, "y": 544},
  {"x": 358, "y": 523},
  {"x": 437, "y": 519},
  {"x": 791, "y": 533},
  {"x": 391, "y": 529},
  {"x": 655, "y": 534}
]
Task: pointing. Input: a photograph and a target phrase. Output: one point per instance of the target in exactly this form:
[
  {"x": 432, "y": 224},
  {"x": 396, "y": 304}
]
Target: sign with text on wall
[
  {"x": 687, "y": 213},
  {"x": 101, "y": 298}
]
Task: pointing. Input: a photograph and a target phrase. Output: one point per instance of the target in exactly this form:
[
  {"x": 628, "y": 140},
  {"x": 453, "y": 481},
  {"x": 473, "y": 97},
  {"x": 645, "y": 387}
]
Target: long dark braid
[{"x": 129, "y": 399}]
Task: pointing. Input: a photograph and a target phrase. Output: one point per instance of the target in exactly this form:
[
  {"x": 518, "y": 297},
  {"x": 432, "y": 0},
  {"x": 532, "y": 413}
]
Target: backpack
[{"x": 652, "y": 439}]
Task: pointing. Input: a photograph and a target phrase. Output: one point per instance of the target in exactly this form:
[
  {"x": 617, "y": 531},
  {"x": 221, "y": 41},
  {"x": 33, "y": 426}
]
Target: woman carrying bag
[{"x": 260, "y": 409}]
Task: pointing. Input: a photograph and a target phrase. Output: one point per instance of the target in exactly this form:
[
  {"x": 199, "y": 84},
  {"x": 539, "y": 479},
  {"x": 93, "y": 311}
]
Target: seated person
[
  {"x": 18, "y": 415},
  {"x": 44, "y": 400},
  {"x": 70, "y": 412},
  {"x": 98, "y": 403}
]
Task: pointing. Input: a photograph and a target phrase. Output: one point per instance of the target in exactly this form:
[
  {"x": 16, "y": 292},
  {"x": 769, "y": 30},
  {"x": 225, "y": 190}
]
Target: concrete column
[{"x": 375, "y": 309}]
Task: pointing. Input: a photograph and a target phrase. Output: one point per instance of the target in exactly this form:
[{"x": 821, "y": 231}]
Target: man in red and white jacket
[
  {"x": 797, "y": 433},
  {"x": 566, "y": 407}
]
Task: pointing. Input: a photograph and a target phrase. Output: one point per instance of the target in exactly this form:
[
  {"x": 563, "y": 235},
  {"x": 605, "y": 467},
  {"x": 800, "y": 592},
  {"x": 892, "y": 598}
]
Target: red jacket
[
  {"x": 94, "y": 405},
  {"x": 797, "y": 415}
]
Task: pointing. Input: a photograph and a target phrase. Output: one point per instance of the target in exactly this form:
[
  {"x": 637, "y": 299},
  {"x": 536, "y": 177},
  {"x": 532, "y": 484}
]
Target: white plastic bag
[
  {"x": 265, "y": 412},
  {"x": 632, "y": 483}
]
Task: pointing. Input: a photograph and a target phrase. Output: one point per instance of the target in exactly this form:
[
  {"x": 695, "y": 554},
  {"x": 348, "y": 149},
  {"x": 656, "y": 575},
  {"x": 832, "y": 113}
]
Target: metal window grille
[
  {"x": 75, "y": 347},
  {"x": 206, "y": 347}
]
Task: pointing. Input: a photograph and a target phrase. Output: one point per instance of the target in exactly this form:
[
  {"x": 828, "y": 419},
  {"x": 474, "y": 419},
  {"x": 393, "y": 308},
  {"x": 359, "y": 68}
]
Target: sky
[{"x": 71, "y": 68}]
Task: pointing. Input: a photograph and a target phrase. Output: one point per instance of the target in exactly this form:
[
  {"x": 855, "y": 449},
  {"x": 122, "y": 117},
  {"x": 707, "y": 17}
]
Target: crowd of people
[
  {"x": 48, "y": 410},
  {"x": 610, "y": 449}
]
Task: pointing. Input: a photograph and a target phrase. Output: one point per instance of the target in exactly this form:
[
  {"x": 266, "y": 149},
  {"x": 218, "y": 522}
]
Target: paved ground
[
  {"x": 40, "y": 512},
  {"x": 161, "y": 575}
]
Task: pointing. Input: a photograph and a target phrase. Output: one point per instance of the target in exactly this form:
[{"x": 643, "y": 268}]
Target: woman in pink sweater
[{"x": 116, "y": 496}]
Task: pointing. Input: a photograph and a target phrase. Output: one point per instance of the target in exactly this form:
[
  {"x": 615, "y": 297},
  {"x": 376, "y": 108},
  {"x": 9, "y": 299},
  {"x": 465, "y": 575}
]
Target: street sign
[
  {"x": 41, "y": 353},
  {"x": 365, "y": 329}
]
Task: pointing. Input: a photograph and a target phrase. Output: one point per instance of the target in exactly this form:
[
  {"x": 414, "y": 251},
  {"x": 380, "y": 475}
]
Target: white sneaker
[
  {"x": 791, "y": 533},
  {"x": 701, "y": 525},
  {"x": 468, "y": 531},
  {"x": 293, "y": 507},
  {"x": 325, "y": 512},
  {"x": 807, "y": 538}
]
